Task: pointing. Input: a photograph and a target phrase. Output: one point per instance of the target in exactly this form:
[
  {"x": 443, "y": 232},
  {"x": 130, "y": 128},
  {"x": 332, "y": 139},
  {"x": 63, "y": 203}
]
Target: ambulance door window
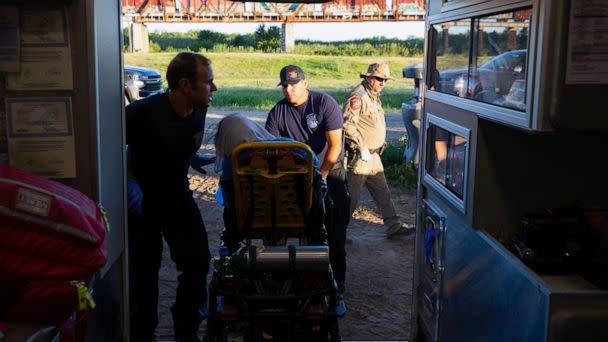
[
  {"x": 500, "y": 51},
  {"x": 447, "y": 159}
]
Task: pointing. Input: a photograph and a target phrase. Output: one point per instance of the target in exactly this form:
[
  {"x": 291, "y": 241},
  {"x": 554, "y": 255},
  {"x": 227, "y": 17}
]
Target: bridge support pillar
[
  {"x": 288, "y": 42},
  {"x": 138, "y": 38},
  {"x": 512, "y": 38}
]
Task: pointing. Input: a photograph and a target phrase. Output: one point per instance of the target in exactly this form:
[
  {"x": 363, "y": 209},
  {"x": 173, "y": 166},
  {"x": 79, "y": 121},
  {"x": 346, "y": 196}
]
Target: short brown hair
[{"x": 184, "y": 65}]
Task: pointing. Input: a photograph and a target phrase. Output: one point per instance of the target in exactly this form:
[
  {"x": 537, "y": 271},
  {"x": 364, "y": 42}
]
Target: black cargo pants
[
  {"x": 182, "y": 227},
  {"x": 337, "y": 206}
]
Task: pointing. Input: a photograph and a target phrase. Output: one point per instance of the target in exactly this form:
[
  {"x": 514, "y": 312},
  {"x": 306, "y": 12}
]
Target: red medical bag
[{"x": 52, "y": 241}]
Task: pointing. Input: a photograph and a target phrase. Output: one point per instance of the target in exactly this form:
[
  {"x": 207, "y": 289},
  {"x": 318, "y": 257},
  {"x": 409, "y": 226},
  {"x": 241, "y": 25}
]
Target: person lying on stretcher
[{"x": 234, "y": 130}]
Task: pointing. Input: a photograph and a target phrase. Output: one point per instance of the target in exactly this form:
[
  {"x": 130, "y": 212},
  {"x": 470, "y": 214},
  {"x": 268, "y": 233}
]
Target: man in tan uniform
[{"x": 365, "y": 133}]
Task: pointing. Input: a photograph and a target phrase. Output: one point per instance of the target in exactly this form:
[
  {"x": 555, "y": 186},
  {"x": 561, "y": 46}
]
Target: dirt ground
[{"x": 379, "y": 271}]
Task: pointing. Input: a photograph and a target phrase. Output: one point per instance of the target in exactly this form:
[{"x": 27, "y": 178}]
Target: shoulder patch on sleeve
[
  {"x": 361, "y": 92},
  {"x": 355, "y": 103}
]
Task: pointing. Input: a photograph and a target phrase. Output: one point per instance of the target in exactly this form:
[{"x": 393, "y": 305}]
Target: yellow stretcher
[
  {"x": 273, "y": 189},
  {"x": 283, "y": 287}
]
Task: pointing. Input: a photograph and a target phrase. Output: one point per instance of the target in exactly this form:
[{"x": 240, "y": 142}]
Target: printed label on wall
[
  {"x": 40, "y": 136},
  {"x": 588, "y": 42}
]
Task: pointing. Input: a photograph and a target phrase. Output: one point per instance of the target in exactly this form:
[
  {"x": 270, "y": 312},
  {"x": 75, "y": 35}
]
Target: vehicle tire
[
  {"x": 309, "y": 331},
  {"x": 333, "y": 330}
]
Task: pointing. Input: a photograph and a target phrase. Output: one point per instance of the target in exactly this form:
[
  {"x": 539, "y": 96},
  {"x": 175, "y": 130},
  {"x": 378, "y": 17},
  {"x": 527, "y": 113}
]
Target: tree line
[{"x": 268, "y": 40}]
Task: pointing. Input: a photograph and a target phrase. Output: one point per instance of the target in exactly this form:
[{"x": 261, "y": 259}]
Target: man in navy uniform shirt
[{"x": 316, "y": 119}]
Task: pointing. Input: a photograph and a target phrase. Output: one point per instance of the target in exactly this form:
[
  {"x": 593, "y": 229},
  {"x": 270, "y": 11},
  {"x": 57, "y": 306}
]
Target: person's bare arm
[
  {"x": 441, "y": 149},
  {"x": 334, "y": 142}
]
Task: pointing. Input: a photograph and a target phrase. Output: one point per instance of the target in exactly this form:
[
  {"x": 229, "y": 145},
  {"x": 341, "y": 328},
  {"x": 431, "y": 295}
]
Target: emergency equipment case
[{"x": 519, "y": 138}]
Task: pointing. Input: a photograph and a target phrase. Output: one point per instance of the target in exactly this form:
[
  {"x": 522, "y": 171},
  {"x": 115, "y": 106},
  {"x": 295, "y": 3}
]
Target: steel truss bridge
[{"x": 157, "y": 11}]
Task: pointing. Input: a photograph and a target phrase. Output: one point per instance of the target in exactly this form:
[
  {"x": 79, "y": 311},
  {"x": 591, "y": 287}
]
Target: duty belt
[{"x": 378, "y": 150}]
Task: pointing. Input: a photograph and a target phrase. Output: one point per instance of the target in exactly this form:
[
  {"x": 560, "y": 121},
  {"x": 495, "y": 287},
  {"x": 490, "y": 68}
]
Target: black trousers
[
  {"x": 182, "y": 227},
  {"x": 337, "y": 206}
]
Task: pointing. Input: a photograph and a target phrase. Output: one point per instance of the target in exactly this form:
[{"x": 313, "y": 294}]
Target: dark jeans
[
  {"x": 380, "y": 192},
  {"x": 337, "y": 206},
  {"x": 183, "y": 229}
]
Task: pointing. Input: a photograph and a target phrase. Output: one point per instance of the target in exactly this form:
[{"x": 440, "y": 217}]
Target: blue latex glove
[
  {"x": 134, "y": 196},
  {"x": 219, "y": 196},
  {"x": 429, "y": 241},
  {"x": 199, "y": 162}
]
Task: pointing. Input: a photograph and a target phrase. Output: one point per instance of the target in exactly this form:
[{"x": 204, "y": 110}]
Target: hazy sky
[{"x": 310, "y": 31}]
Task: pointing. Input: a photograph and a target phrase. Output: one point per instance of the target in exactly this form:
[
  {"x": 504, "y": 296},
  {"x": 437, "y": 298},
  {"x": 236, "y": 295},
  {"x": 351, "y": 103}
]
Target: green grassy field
[
  {"x": 248, "y": 80},
  {"x": 397, "y": 173}
]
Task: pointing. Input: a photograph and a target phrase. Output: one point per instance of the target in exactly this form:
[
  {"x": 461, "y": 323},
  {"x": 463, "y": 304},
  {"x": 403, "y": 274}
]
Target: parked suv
[{"x": 141, "y": 82}]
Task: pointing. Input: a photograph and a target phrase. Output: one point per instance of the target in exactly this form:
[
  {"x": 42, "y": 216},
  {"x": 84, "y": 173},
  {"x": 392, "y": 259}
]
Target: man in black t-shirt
[
  {"x": 164, "y": 132},
  {"x": 316, "y": 119}
]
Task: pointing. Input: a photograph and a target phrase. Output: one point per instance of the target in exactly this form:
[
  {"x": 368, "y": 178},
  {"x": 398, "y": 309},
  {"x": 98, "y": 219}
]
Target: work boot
[
  {"x": 185, "y": 328},
  {"x": 400, "y": 230}
]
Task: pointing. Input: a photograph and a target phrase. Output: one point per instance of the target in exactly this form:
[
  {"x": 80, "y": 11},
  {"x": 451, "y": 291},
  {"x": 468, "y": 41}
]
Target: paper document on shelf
[
  {"x": 587, "y": 61},
  {"x": 9, "y": 39},
  {"x": 43, "y": 68},
  {"x": 46, "y": 60},
  {"x": 40, "y": 136},
  {"x": 49, "y": 157},
  {"x": 30, "y": 117},
  {"x": 44, "y": 27},
  {"x": 3, "y": 137}
]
